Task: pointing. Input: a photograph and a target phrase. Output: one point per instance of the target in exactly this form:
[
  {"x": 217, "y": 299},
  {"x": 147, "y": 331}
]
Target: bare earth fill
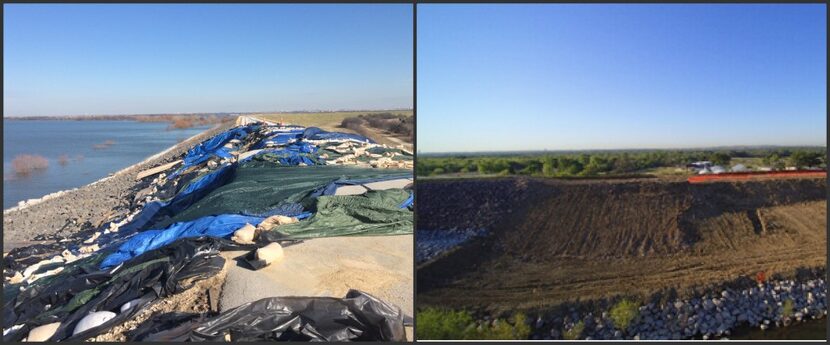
[{"x": 554, "y": 241}]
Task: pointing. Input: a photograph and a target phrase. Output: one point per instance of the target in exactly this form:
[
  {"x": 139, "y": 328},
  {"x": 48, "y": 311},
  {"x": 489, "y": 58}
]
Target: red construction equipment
[{"x": 753, "y": 175}]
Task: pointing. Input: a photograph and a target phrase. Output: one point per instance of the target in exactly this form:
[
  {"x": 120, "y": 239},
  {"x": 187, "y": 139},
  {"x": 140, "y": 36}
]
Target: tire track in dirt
[{"x": 578, "y": 241}]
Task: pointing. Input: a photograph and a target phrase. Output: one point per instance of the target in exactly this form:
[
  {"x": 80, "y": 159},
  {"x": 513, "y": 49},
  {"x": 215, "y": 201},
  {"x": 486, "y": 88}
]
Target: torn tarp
[
  {"x": 254, "y": 190},
  {"x": 314, "y": 133},
  {"x": 214, "y": 146},
  {"x": 376, "y": 212},
  {"x": 279, "y": 138},
  {"x": 357, "y": 317},
  {"x": 154, "y": 213},
  {"x": 282, "y": 157},
  {"x": 221, "y": 226}
]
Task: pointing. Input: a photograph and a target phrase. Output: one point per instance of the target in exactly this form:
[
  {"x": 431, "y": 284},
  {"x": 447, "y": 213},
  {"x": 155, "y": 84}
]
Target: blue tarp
[
  {"x": 280, "y": 138},
  {"x": 191, "y": 193},
  {"x": 221, "y": 226},
  {"x": 314, "y": 133},
  {"x": 409, "y": 201},
  {"x": 214, "y": 146},
  {"x": 215, "y": 226},
  {"x": 293, "y": 154}
]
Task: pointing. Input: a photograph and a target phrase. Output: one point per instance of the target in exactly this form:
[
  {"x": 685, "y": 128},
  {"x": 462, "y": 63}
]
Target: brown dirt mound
[
  {"x": 577, "y": 240},
  {"x": 646, "y": 218}
]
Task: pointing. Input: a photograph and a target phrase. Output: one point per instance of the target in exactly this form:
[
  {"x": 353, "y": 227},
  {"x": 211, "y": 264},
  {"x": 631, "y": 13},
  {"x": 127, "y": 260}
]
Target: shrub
[
  {"x": 575, "y": 332},
  {"x": 351, "y": 123},
  {"x": 623, "y": 313},
  {"x": 434, "y": 323},
  {"x": 105, "y": 145},
  {"x": 437, "y": 324},
  {"x": 182, "y": 123},
  {"x": 26, "y": 164},
  {"x": 787, "y": 308}
]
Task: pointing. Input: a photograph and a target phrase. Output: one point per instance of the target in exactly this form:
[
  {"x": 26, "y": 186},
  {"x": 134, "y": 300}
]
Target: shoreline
[
  {"x": 34, "y": 201},
  {"x": 68, "y": 212}
]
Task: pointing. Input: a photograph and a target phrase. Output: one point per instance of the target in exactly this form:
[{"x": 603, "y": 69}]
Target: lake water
[{"x": 132, "y": 143}]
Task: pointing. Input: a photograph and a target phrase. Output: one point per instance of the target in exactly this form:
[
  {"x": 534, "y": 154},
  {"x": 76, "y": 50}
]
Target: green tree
[
  {"x": 721, "y": 158},
  {"x": 801, "y": 159},
  {"x": 570, "y": 167},
  {"x": 774, "y": 161},
  {"x": 548, "y": 166},
  {"x": 596, "y": 165}
]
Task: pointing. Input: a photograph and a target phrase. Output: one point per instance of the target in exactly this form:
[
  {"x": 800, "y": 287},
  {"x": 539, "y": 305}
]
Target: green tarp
[
  {"x": 372, "y": 213},
  {"x": 257, "y": 189}
]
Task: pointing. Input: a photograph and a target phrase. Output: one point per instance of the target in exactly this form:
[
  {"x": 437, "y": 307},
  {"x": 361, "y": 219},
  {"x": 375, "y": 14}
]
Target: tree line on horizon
[{"x": 610, "y": 163}]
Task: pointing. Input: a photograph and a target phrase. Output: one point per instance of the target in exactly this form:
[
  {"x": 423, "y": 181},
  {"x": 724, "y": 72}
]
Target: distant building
[
  {"x": 715, "y": 169},
  {"x": 739, "y": 168},
  {"x": 699, "y": 165}
]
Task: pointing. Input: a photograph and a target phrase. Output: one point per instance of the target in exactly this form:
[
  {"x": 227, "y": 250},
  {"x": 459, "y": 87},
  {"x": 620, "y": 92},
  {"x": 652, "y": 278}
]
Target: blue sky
[
  {"x": 560, "y": 77},
  {"x": 128, "y": 59}
]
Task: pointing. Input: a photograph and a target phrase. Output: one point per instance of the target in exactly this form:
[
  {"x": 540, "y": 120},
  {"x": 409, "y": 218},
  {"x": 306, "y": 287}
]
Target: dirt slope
[{"x": 590, "y": 239}]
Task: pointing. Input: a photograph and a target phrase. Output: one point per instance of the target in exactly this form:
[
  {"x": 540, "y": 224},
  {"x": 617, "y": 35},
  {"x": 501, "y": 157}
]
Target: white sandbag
[
  {"x": 68, "y": 256},
  {"x": 270, "y": 253},
  {"x": 43, "y": 333},
  {"x": 33, "y": 268},
  {"x": 244, "y": 234},
  {"x": 89, "y": 249},
  {"x": 37, "y": 276},
  {"x": 16, "y": 278},
  {"x": 93, "y": 320},
  {"x": 130, "y": 304},
  {"x": 272, "y": 221}
]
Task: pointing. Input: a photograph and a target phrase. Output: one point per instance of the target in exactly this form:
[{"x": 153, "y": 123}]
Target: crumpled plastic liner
[
  {"x": 154, "y": 274},
  {"x": 214, "y": 146},
  {"x": 374, "y": 213},
  {"x": 221, "y": 226},
  {"x": 356, "y": 317},
  {"x": 315, "y": 133},
  {"x": 273, "y": 186},
  {"x": 20, "y": 258}
]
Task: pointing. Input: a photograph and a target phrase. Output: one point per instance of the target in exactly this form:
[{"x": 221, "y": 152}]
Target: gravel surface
[
  {"x": 433, "y": 243},
  {"x": 458, "y": 205},
  {"x": 68, "y": 212}
]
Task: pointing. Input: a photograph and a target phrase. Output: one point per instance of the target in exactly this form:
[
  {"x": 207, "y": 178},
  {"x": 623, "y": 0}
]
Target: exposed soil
[
  {"x": 194, "y": 300},
  {"x": 578, "y": 240}
]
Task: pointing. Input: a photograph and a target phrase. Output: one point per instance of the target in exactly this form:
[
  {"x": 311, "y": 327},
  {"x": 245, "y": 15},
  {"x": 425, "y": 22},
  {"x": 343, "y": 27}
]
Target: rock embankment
[
  {"x": 432, "y": 243},
  {"x": 467, "y": 204},
  {"x": 776, "y": 303}
]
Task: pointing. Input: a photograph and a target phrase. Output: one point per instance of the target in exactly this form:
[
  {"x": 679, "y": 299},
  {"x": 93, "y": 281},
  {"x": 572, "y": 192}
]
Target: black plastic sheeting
[
  {"x": 70, "y": 297},
  {"x": 20, "y": 258},
  {"x": 356, "y": 317}
]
